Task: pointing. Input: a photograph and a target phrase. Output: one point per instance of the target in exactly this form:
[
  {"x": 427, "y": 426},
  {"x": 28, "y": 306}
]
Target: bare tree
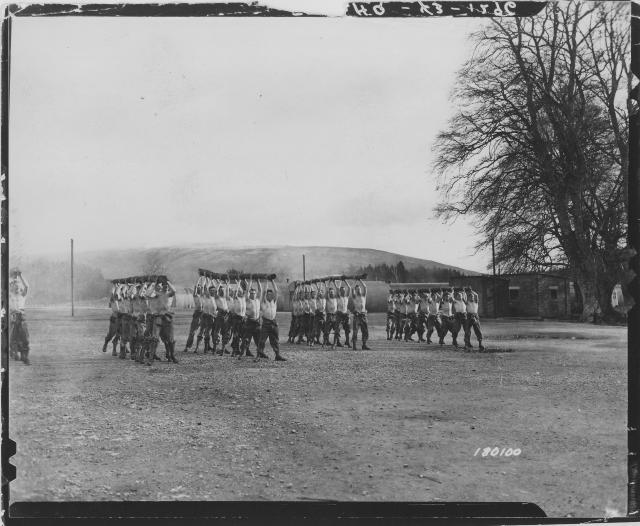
[
  {"x": 537, "y": 149},
  {"x": 155, "y": 264}
]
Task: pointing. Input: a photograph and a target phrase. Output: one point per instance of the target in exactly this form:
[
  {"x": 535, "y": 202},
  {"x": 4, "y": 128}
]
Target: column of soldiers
[
  {"x": 141, "y": 317},
  {"x": 428, "y": 310},
  {"x": 234, "y": 312},
  {"x": 320, "y": 306}
]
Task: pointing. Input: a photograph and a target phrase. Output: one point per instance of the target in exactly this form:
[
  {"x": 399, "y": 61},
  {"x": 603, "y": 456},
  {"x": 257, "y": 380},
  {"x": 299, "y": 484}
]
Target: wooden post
[
  {"x": 304, "y": 269},
  {"x": 72, "y": 277},
  {"x": 495, "y": 290}
]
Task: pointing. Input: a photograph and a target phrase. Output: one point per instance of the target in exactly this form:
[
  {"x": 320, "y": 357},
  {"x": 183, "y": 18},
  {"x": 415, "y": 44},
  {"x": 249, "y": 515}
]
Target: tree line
[{"x": 398, "y": 273}]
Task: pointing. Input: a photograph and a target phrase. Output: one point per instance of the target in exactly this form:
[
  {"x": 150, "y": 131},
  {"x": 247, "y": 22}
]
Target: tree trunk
[{"x": 596, "y": 293}]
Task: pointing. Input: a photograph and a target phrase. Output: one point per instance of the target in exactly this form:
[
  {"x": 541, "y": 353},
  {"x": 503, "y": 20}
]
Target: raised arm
[
  {"x": 24, "y": 284},
  {"x": 275, "y": 290},
  {"x": 344, "y": 280},
  {"x": 259, "y": 290},
  {"x": 171, "y": 289},
  {"x": 364, "y": 287}
]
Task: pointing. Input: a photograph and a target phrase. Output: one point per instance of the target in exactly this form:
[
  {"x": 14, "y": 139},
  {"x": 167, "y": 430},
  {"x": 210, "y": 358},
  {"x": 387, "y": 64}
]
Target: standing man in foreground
[
  {"x": 269, "y": 308},
  {"x": 343, "y": 314},
  {"x": 473, "y": 320},
  {"x": 360, "y": 314},
  {"x": 18, "y": 332}
]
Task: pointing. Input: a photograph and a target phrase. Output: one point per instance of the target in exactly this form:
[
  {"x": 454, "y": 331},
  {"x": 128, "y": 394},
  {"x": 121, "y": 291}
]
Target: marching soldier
[
  {"x": 208, "y": 314},
  {"x": 196, "y": 319},
  {"x": 252, "y": 320},
  {"x": 433, "y": 322},
  {"x": 221, "y": 324},
  {"x": 160, "y": 305},
  {"x": 423, "y": 313},
  {"x": 18, "y": 332},
  {"x": 459, "y": 317},
  {"x": 391, "y": 307},
  {"x": 331, "y": 322},
  {"x": 472, "y": 301},
  {"x": 269, "y": 308},
  {"x": 343, "y": 313},
  {"x": 360, "y": 314},
  {"x": 112, "y": 333},
  {"x": 320, "y": 316},
  {"x": 237, "y": 317}
]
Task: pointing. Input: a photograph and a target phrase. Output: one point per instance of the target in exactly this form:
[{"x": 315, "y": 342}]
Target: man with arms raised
[
  {"x": 320, "y": 314},
  {"x": 160, "y": 305},
  {"x": 237, "y": 316},
  {"x": 269, "y": 308},
  {"x": 196, "y": 319},
  {"x": 18, "y": 332},
  {"x": 343, "y": 313},
  {"x": 360, "y": 314},
  {"x": 472, "y": 301},
  {"x": 112, "y": 334},
  {"x": 331, "y": 322},
  {"x": 252, "y": 320},
  {"x": 221, "y": 325}
]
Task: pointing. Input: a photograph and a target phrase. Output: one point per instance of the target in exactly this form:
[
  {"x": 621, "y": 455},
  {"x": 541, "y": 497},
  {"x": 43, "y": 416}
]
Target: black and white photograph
[{"x": 321, "y": 254}]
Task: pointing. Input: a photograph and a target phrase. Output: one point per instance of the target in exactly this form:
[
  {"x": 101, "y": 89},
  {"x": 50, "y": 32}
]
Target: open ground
[{"x": 400, "y": 422}]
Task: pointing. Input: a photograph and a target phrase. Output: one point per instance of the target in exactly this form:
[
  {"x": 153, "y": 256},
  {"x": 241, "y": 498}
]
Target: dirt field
[{"x": 399, "y": 422}]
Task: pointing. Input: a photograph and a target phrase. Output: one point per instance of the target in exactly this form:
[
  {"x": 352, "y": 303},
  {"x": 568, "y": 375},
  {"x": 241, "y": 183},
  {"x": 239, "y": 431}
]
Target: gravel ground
[{"x": 399, "y": 422}]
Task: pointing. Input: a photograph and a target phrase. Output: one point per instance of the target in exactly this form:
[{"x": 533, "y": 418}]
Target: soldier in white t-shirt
[
  {"x": 359, "y": 296},
  {"x": 473, "y": 321},
  {"x": 196, "y": 318}
]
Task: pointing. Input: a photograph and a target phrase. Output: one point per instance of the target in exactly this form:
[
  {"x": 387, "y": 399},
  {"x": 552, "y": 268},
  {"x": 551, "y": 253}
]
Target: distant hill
[
  {"x": 181, "y": 263},
  {"x": 48, "y": 275}
]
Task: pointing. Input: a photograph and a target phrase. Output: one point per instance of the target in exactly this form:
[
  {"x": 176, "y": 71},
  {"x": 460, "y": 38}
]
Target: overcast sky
[{"x": 151, "y": 132}]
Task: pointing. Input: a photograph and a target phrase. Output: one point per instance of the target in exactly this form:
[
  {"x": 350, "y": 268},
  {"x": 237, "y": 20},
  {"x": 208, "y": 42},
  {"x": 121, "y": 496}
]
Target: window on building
[
  {"x": 514, "y": 293},
  {"x": 553, "y": 292}
]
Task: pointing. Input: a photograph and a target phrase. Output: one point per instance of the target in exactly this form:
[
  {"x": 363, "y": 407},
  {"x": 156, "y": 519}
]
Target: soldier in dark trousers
[
  {"x": 269, "y": 309},
  {"x": 18, "y": 332},
  {"x": 112, "y": 333},
  {"x": 252, "y": 320},
  {"x": 196, "y": 319},
  {"x": 359, "y": 297},
  {"x": 473, "y": 321}
]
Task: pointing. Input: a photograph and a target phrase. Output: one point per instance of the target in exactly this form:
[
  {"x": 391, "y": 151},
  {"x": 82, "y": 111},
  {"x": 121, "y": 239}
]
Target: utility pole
[
  {"x": 71, "y": 277},
  {"x": 495, "y": 292},
  {"x": 304, "y": 269}
]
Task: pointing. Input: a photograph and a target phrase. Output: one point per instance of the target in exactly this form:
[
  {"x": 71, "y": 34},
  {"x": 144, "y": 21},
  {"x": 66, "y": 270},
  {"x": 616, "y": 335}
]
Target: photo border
[{"x": 277, "y": 512}]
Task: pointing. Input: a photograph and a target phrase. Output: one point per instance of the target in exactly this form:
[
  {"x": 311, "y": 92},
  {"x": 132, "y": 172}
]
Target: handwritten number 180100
[{"x": 497, "y": 452}]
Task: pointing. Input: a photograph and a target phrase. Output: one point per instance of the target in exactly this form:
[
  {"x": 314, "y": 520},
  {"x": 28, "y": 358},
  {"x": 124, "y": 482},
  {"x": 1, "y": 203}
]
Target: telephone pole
[
  {"x": 304, "y": 269},
  {"x": 71, "y": 277}
]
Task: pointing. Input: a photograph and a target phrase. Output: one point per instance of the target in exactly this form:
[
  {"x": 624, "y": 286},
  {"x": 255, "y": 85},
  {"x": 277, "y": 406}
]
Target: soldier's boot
[
  {"x": 260, "y": 354},
  {"x": 104, "y": 347},
  {"x": 134, "y": 351},
  {"x": 123, "y": 351},
  {"x": 364, "y": 346},
  {"x": 279, "y": 357},
  {"x": 24, "y": 357},
  {"x": 198, "y": 340},
  {"x": 481, "y": 347},
  {"x": 336, "y": 340},
  {"x": 114, "y": 352}
]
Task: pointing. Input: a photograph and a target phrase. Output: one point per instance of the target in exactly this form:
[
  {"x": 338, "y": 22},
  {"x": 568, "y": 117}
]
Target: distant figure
[{"x": 19, "y": 334}]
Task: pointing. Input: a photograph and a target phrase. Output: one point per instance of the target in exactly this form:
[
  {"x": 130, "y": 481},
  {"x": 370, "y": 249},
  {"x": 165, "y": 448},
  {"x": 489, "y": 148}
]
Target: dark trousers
[
  {"x": 19, "y": 336},
  {"x": 318, "y": 325},
  {"x": 162, "y": 331},
  {"x": 206, "y": 326},
  {"x": 112, "y": 334},
  {"x": 432, "y": 323},
  {"x": 331, "y": 324},
  {"x": 360, "y": 322},
  {"x": 269, "y": 331},
  {"x": 221, "y": 329},
  {"x": 195, "y": 324},
  {"x": 391, "y": 324},
  {"x": 235, "y": 328},
  {"x": 459, "y": 322},
  {"x": 410, "y": 325},
  {"x": 342, "y": 322},
  {"x": 473, "y": 321},
  {"x": 309, "y": 323},
  {"x": 421, "y": 324},
  {"x": 293, "y": 326},
  {"x": 251, "y": 331}
]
